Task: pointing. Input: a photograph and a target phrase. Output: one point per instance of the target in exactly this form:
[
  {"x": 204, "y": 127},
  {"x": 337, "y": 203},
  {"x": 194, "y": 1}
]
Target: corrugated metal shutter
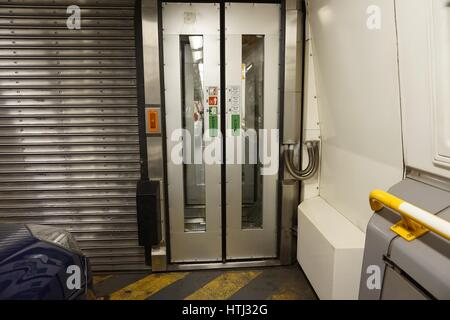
[{"x": 69, "y": 145}]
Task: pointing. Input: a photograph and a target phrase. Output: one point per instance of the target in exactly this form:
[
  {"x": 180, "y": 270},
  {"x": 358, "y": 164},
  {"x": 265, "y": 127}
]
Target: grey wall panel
[{"x": 69, "y": 144}]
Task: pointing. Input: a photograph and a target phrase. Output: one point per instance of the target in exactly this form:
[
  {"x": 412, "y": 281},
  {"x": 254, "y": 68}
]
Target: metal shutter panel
[{"x": 69, "y": 145}]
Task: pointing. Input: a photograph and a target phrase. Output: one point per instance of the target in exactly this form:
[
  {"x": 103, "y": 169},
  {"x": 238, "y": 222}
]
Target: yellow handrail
[{"x": 415, "y": 221}]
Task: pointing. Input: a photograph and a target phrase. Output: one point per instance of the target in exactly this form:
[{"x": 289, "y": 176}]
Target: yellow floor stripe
[
  {"x": 286, "y": 292},
  {"x": 147, "y": 286},
  {"x": 224, "y": 286},
  {"x": 287, "y": 295},
  {"x": 98, "y": 279}
]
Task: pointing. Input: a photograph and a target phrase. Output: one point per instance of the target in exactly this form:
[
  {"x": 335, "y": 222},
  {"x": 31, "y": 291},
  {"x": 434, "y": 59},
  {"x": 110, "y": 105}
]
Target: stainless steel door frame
[
  {"x": 196, "y": 19},
  {"x": 201, "y": 19},
  {"x": 262, "y": 20}
]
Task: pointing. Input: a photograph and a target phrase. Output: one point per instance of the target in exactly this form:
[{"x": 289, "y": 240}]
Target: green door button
[
  {"x": 236, "y": 124},
  {"x": 213, "y": 122}
]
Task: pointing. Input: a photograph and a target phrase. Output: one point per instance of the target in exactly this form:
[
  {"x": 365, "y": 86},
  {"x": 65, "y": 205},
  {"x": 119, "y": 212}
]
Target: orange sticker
[
  {"x": 213, "y": 101},
  {"x": 153, "y": 121}
]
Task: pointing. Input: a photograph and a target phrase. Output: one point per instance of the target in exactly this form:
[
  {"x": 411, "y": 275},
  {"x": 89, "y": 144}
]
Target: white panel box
[
  {"x": 441, "y": 121},
  {"x": 423, "y": 44},
  {"x": 330, "y": 250}
]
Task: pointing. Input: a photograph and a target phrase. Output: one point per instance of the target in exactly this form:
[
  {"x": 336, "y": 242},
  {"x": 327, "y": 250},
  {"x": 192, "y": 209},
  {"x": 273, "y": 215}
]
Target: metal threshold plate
[{"x": 226, "y": 265}]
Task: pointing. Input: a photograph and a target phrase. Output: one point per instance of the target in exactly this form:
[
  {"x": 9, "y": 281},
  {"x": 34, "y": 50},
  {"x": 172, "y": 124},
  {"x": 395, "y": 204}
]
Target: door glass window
[
  {"x": 191, "y": 54},
  {"x": 252, "y": 122}
]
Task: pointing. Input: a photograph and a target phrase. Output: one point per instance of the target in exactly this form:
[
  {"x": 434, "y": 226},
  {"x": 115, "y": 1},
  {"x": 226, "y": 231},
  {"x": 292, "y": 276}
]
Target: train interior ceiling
[{"x": 133, "y": 124}]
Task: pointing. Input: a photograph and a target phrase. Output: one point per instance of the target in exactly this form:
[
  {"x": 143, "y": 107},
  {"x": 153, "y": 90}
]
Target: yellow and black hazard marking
[
  {"x": 280, "y": 283},
  {"x": 224, "y": 286}
]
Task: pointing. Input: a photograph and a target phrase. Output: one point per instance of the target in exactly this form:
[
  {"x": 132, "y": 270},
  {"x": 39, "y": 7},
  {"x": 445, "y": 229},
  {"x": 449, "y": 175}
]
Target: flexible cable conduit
[{"x": 313, "y": 164}]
